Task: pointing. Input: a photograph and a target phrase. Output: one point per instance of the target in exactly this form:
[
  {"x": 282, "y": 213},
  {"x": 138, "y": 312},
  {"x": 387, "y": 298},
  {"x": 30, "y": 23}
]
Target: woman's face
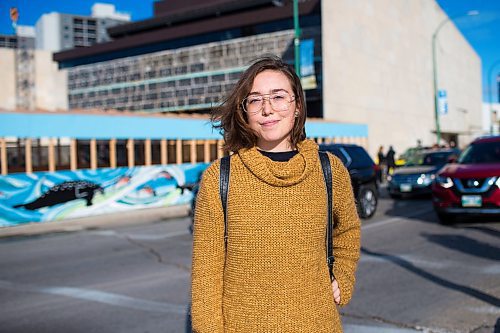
[{"x": 272, "y": 126}]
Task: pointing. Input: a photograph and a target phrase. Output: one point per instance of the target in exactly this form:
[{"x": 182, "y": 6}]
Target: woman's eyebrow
[
  {"x": 278, "y": 90},
  {"x": 273, "y": 91}
]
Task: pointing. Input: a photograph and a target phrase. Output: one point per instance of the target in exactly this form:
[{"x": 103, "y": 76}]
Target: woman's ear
[{"x": 298, "y": 109}]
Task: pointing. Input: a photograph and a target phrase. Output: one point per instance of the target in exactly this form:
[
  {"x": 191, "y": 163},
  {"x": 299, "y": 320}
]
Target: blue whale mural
[
  {"x": 50, "y": 196},
  {"x": 66, "y": 191}
]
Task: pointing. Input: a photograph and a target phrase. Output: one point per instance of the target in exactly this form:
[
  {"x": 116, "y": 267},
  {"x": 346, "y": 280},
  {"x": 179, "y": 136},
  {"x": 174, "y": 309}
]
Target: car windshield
[
  {"x": 481, "y": 153},
  {"x": 434, "y": 158}
]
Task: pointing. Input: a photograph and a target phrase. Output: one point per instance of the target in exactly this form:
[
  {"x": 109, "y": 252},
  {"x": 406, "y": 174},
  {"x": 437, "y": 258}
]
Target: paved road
[{"x": 414, "y": 276}]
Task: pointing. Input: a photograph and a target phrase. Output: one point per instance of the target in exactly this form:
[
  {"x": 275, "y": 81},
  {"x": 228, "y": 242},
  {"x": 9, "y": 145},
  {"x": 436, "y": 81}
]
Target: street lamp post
[
  {"x": 490, "y": 88},
  {"x": 434, "y": 71},
  {"x": 296, "y": 40}
]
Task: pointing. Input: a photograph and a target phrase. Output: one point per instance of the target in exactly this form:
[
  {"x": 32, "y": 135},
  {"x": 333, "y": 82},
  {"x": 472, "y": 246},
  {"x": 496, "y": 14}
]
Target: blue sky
[{"x": 482, "y": 31}]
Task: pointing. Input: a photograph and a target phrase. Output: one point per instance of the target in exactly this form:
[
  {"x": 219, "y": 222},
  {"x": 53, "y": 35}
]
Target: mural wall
[{"x": 50, "y": 196}]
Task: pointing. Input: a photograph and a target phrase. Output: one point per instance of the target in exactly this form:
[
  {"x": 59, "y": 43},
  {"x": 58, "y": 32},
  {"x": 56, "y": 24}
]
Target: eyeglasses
[{"x": 280, "y": 101}]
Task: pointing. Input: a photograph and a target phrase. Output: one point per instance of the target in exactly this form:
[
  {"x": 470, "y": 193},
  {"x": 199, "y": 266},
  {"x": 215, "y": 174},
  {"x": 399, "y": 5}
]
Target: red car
[{"x": 471, "y": 186}]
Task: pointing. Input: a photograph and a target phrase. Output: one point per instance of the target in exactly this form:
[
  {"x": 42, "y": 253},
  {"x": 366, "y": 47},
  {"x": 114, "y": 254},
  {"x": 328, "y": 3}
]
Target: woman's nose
[{"x": 266, "y": 106}]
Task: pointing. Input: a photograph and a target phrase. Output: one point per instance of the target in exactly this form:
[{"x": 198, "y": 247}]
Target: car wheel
[
  {"x": 446, "y": 219},
  {"x": 367, "y": 201}
]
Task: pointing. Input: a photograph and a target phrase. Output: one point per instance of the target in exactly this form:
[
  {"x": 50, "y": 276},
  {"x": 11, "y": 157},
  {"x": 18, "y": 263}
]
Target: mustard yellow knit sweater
[{"x": 274, "y": 276}]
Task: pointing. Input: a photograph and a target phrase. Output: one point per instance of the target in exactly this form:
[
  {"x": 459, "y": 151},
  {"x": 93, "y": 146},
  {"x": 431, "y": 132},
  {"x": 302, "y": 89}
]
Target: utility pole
[
  {"x": 296, "y": 40},
  {"x": 434, "y": 70},
  {"x": 490, "y": 92}
]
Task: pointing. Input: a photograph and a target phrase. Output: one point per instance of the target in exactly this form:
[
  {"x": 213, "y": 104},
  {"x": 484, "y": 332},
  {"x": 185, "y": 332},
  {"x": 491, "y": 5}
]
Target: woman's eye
[
  {"x": 278, "y": 97},
  {"x": 254, "y": 100}
]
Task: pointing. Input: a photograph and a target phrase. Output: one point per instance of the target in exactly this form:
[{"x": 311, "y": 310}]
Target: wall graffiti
[{"x": 50, "y": 196}]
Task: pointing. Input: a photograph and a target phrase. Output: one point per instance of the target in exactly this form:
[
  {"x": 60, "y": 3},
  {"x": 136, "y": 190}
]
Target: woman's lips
[{"x": 269, "y": 123}]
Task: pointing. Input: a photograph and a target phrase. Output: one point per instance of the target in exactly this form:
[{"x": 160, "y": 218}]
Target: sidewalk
[{"x": 132, "y": 217}]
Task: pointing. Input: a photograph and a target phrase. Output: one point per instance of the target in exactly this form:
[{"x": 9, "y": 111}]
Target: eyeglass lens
[{"x": 279, "y": 101}]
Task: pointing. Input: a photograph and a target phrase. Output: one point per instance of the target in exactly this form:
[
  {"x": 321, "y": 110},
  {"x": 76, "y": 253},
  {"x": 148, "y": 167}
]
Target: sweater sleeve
[
  {"x": 208, "y": 256},
  {"x": 347, "y": 232}
]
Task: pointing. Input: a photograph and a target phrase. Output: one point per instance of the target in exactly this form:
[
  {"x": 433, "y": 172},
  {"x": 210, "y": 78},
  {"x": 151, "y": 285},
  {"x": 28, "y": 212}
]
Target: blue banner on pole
[
  {"x": 442, "y": 102},
  {"x": 307, "y": 75}
]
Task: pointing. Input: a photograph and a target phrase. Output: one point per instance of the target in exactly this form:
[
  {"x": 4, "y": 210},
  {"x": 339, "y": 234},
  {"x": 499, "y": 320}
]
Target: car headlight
[
  {"x": 425, "y": 179},
  {"x": 497, "y": 183},
  {"x": 445, "y": 182}
]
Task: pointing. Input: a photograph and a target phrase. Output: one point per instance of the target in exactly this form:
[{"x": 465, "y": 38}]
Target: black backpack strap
[
  {"x": 327, "y": 174},
  {"x": 225, "y": 166}
]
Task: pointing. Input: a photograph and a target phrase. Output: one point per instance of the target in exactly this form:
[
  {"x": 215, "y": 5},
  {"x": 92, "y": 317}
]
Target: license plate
[
  {"x": 472, "y": 201},
  {"x": 405, "y": 187}
]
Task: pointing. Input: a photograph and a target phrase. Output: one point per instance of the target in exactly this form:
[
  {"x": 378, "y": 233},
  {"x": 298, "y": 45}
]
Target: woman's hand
[{"x": 336, "y": 291}]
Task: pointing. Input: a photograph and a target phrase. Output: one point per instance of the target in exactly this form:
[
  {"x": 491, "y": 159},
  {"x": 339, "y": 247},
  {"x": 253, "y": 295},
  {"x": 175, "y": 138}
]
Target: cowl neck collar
[{"x": 281, "y": 173}]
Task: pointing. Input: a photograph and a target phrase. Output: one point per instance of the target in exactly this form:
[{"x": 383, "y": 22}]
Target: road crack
[{"x": 156, "y": 254}]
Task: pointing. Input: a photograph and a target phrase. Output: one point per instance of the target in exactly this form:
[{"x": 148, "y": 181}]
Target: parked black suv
[{"x": 363, "y": 172}]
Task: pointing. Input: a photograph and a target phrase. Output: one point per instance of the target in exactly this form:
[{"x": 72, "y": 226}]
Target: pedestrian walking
[
  {"x": 389, "y": 159},
  {"x": 260, "y": 264},
  {"x": 381, "y": 163}
]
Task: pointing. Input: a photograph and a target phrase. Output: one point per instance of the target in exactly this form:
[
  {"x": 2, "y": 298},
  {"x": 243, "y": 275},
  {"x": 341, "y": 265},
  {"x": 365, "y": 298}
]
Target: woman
[{"x": 272, "y": 274}]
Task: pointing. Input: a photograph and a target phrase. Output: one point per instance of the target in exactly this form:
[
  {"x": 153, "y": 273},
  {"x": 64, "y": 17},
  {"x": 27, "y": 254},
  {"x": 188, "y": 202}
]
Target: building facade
[
  {"x": 17, "y": 68},
  {"x": 380, "y": 71},
  {"x": 187, "y": 79},
  {"x": 31, "y": 80},
  {"x": 373, "y": 64},
  {"x": 491, "y": 118},
  {"x": 24, "y": 38},
  {"x": 190, "y": 65},
  {"x": 58, "y": 31}
]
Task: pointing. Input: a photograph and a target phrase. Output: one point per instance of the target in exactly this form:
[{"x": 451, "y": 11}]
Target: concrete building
[
  {"x": 491, "y": 118},
  {"x": 187, "y": 56},
  {"x": 23, "y": 39},
  {"x": 377, "y": 60},
  {"x": 8, "y": 41},
  {"x": 373, "y": 63},
  {"x": 31, "y": 80},
  {"x": 29, "y": 76},
  {"x": 58, "y": 31}
]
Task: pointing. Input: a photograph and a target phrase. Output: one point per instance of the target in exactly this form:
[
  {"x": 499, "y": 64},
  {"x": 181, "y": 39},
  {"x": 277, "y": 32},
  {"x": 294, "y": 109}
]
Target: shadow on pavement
[
  {"x": 434, "y": 278},
  {"x": 488, "y": 231},
  {"x": 400, "y": 207},
  {"x": 466, "y": 245}
]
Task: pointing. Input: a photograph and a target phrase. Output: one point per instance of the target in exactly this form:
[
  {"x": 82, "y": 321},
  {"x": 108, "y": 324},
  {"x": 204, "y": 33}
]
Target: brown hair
[{"x": 232, "y": 121}]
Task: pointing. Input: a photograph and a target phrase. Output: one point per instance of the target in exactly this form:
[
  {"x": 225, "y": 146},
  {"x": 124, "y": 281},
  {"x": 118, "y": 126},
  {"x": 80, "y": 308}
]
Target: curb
[
  {"x": 376, "y": 329},
  {"x": 104, "y": 221}
]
